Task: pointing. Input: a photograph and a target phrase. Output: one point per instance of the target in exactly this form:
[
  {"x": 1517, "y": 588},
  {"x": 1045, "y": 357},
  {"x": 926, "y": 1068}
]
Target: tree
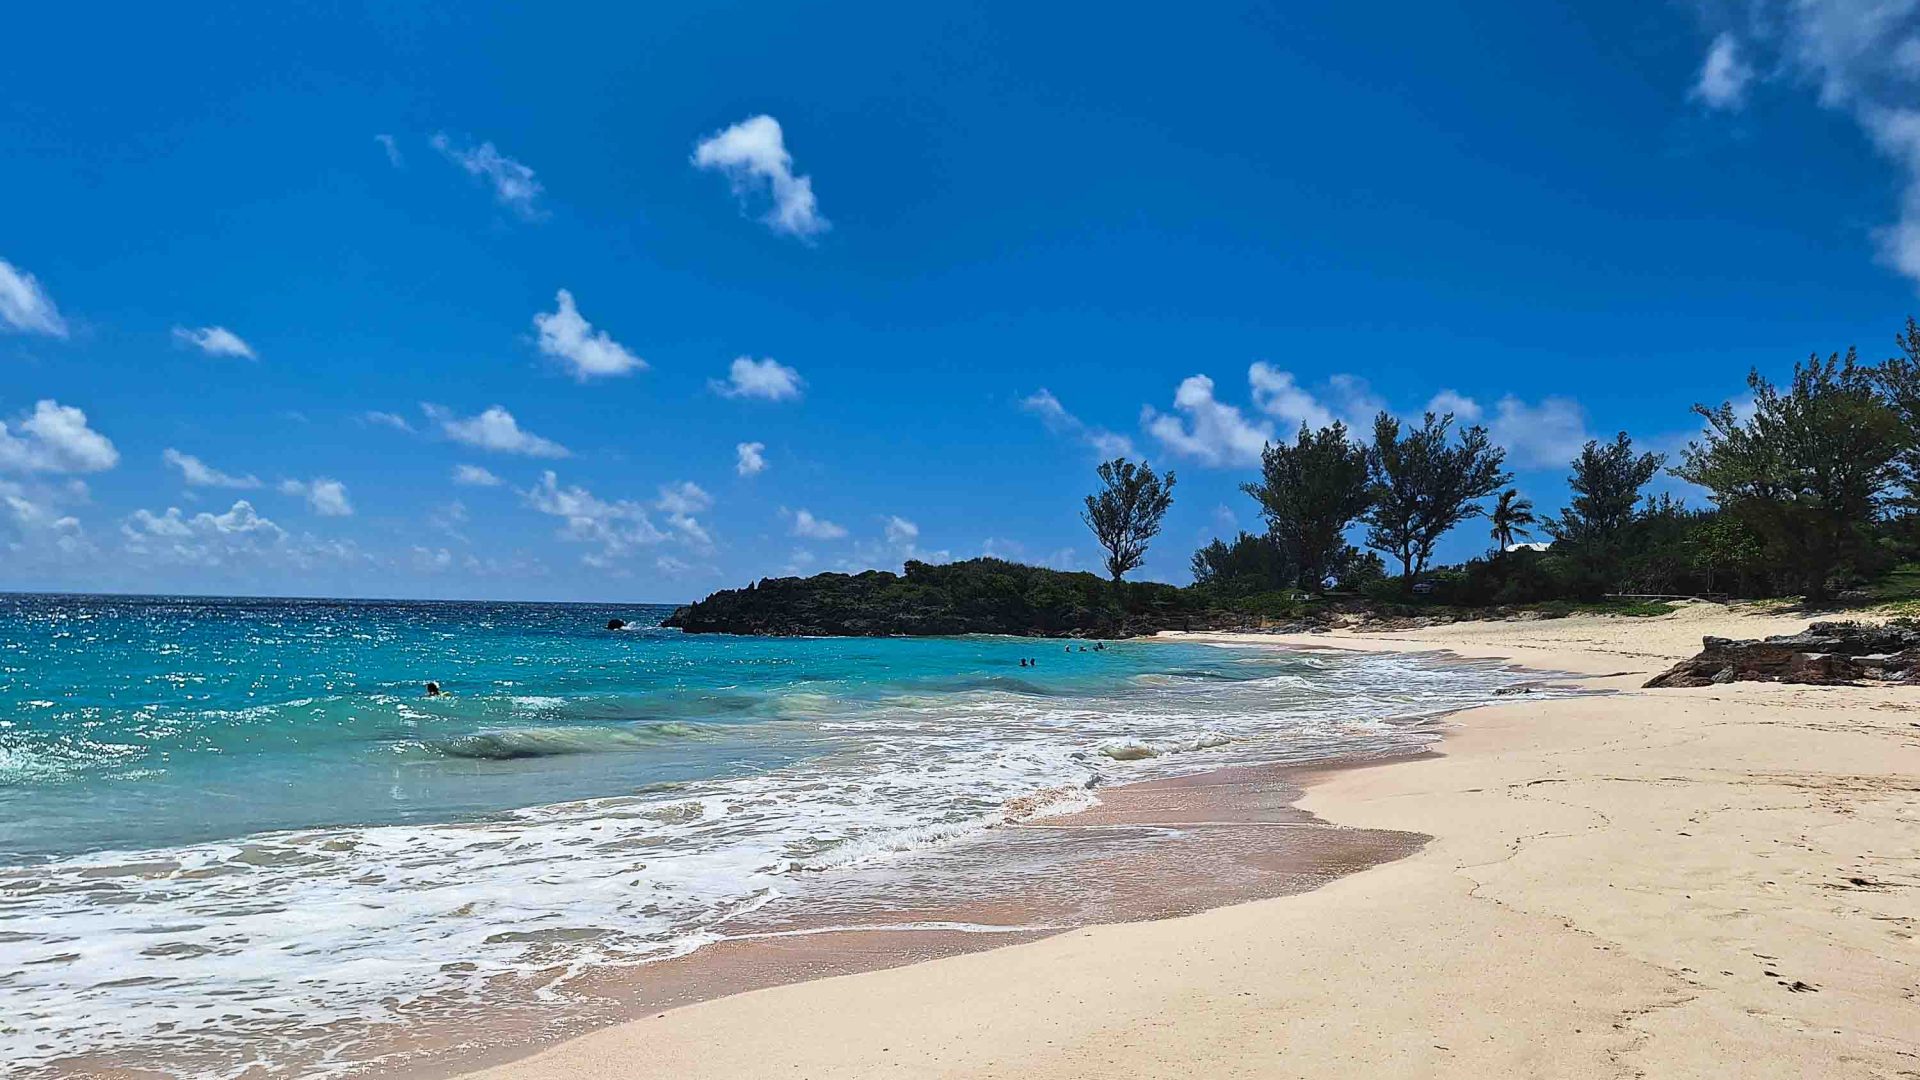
[
  {"x": 1250, "y": 564},
  {"x": 1422, "y": 486},
  {"x": 1810, "y": 470},
  {"x": 1900, "y": 385},
  {"x": 1510, "y": 518},
  {"x": 1310, "y": 491},
  {"x": 1606, "y": 483},
  {"x": 1126, "y": 512}
]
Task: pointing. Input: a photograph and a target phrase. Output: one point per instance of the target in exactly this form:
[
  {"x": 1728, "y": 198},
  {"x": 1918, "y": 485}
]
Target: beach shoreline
[{"x": 1685, "y": 882}]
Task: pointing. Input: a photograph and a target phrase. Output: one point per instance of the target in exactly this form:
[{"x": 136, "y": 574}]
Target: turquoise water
[{"x": 230, "y": 820}]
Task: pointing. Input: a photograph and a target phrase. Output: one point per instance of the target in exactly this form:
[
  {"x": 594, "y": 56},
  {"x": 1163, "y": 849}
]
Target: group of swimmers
[{"x": 1098, "y": 646}]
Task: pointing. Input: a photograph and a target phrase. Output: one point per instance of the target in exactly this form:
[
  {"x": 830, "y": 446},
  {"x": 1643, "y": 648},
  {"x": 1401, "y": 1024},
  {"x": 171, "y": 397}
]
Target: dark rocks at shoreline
[{"x": 1824, "y": 654}]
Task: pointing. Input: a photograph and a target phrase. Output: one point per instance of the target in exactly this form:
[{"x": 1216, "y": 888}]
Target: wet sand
[
  {"x": 1706, "y": 882},
  {"x": 1152, "y": 850}
]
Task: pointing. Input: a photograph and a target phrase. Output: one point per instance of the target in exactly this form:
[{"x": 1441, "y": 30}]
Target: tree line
[{"x": 1813, "y": 487}]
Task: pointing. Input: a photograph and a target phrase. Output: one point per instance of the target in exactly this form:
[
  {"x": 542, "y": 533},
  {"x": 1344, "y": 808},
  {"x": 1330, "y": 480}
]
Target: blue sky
[{"x": 282, "y": 307}]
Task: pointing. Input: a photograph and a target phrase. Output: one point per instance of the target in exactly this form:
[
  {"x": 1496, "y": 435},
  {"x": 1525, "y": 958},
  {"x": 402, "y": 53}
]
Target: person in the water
[{"x": 433, "y": 689}]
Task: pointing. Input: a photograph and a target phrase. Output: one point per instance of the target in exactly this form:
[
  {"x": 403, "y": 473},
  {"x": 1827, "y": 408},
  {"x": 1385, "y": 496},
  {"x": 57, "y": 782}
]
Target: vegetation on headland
[{"x": 1812, "y": 492}]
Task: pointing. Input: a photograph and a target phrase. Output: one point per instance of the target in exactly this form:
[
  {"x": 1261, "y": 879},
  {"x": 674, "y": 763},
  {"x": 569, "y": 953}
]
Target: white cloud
[
  {"x": 239, "y": 520},
  {"x": 813, "y": 528},
  {"x": 197, "y": 473},
  {"x": 1277, "y": 394},
  {"x": 901, "y": 531},
  {"x": 392, "y": 148},
  {"x": 44, "y": 532},
  {"x": 685, "y": 497},
  {"x": 1347, "y": 398},
  {"x": 474, "y": 476},
  {"x": 1545, "y": 435},
  {"x": 449, "y": 518},
  {"x": 237, "y": 539},
  {"x": 681, "y": 502},
  {"x": 327, "y": 497},
  {"x": 753, "y": 156},
  {"x": 616, "y": 527},
  {"x": 1208, "y": 430},
  {"x": 214, "y": 341},
  {"x": 1864, "y": 57},
  {"x": 513, "y": 183},
  {"x": 55, "y": 438},
  {"x": 1047, "y": 407},
  {"x": 25, "y": 306},
  {"x": 767, "y": 379},
  {"x": 569, "y": 338},
  {"x": 750, "y": 458},
  {"x": 431, "y": 560},
  {"x": 1724, "y": 75},
  {"x": 387, "y": 419},
  {"x": 1460, "y": 405},
  {"x": 494, "y": 429}
]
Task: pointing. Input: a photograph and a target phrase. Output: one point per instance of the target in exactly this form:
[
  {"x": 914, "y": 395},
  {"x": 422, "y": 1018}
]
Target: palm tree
[{"x": 1510, "y": 518}]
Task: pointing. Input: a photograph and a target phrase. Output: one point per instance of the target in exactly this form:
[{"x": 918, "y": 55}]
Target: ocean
[{"x": 237, "y": 838}]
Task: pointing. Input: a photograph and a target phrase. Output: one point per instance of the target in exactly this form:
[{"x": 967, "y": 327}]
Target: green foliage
[
  {"x": 1422, "y": 485},
  {"x": 1606, "y": 485},
  {"x": 1809, "y": 472},
  {"x": 1310, "y": 491},
  {"x": 1126, "y": 512},
  {"x": 1251, "y": 564},
  {"x": 1510, "y": 517},
  {"x": 1900, "y": 387},
  {"x": 1597, "y": 533}
]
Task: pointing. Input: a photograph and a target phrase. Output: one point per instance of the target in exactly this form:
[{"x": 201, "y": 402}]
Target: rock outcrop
[{"x": 1824, "y": 654}]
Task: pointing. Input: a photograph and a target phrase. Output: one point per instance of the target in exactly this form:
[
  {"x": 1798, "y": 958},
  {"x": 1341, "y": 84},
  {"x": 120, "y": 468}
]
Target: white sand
[{"x": 1617, "y": 886}]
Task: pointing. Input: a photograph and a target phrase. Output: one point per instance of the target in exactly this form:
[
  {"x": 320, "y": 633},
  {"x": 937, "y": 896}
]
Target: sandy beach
[{"x": 1700, "y": 882}]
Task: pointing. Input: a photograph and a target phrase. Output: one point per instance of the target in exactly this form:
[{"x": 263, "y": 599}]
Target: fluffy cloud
[
  {"x": 474, "y": 476},
  {"x": 685, "y": 497},
  {"x": 901, "y": 531},
  {"x": 44, "y": 532},
  {"x": 214, "y": 341},
  {"x": 750, "y": 458},
  {"x": 753, "y": 156},
  {"x": 1724, "y": 75},
  {"x": 25, "y": 306},
  {"x": 1347, "y": 398},
  {"x": 494, "y": 429},
  {"x": 55, "y": 438},
  {"x": 513, "y": 183},
  {"x": 1047, "y": 407},
  {"x": 1545, "y": 435},
  {"x": 1863, "y": 56},
  {"x": 681, "y": 502},
  {"x": 1206, "y": 429},
  {"x": 766, "y": 379},
  {"x": 567, "y": 337},
  {"x": 197, "y": 473},
  {"x": 237, "y": 539},
  {"x": 615, "y": 527},
  {"x": 392, "y": 148},
  {"x": 327, "y": 497},
  {"x": 813, "y": 528}
]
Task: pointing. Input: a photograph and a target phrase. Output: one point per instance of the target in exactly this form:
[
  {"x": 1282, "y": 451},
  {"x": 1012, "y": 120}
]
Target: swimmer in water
[{"x": 433, "y": 689}]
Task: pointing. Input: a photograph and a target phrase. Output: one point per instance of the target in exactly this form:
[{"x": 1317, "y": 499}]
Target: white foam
[{"x": 272, "y": 937}]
